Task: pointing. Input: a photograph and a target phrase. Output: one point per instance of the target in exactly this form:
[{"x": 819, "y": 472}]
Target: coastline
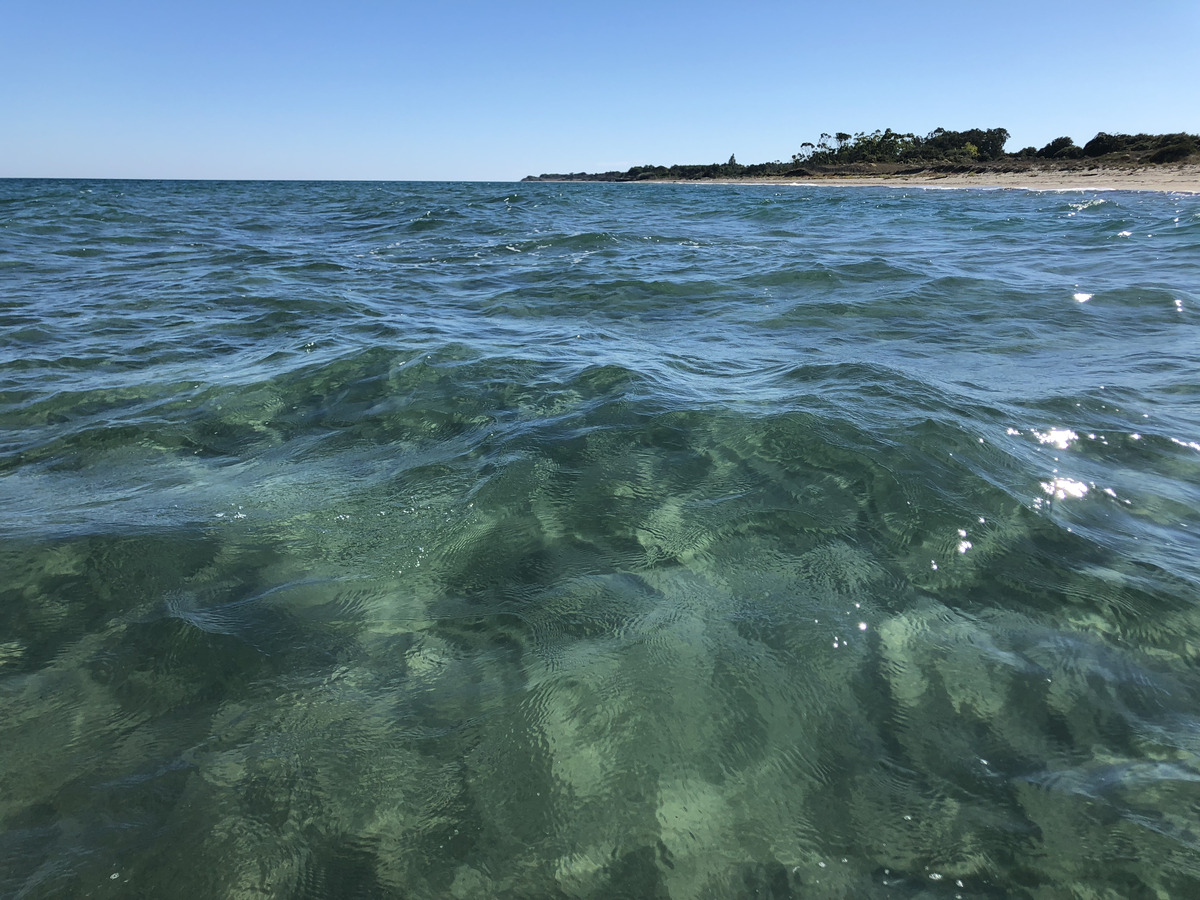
[
  {"x": 1184, "y": 179},
  {"x": 1169, "y": 179}
]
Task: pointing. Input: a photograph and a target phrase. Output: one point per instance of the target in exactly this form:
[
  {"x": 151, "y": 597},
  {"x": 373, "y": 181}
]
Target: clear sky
[{"x": 498, "y": 90}]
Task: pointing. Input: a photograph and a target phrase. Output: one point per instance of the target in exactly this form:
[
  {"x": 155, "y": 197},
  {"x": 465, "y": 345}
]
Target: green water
[{"x": 540, "y": 542}]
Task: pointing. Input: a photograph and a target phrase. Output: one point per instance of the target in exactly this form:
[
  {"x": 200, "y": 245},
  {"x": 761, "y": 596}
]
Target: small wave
[{"x": 450, "y": 517}]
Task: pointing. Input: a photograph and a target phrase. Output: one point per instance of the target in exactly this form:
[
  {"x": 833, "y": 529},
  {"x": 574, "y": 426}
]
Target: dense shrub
[
  {"x": 1104, "y": 143},
  {"x": 1055, "y": 148},
  {"x": 1173, "y": 152}
]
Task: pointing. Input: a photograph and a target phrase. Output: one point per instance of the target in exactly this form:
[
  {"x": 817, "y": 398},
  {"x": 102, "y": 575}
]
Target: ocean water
[{"x": 598, "y": 541}]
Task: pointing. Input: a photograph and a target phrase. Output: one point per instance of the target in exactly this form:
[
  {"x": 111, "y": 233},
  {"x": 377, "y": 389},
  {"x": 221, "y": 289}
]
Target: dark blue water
[{"x": 598, "y": 541}]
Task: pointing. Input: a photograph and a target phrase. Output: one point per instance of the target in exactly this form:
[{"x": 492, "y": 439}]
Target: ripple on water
[{"x": 596, "y": 540}]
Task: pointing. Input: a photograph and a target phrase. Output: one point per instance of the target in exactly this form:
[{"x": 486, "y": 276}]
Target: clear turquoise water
[{"x": 546, "y": 541}]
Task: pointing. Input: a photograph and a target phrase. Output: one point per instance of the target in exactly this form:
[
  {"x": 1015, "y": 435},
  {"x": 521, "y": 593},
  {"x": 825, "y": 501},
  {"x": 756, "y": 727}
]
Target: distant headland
[{"x": 952, "y": 158}]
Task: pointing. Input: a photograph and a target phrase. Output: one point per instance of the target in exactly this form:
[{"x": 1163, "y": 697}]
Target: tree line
[
  {"x": 894, "y": 147},
  {"x": 979, "y": 145},
  {"x": 939, "y": 147}
]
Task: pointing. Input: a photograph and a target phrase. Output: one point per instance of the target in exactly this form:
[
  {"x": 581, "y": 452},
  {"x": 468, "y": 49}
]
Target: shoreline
[{"x": 1183, "y": 179}]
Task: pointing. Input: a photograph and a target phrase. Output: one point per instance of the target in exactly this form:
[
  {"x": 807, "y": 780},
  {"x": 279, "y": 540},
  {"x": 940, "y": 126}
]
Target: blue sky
[{"x": 495, "y": 91}]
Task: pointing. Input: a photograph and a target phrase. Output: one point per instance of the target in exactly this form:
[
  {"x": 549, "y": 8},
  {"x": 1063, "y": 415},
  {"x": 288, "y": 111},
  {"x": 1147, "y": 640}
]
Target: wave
[{"x": 546, "y": 540}]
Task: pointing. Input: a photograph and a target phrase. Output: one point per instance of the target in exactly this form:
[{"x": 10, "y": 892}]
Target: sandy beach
[{"x": 1181, "y": 179}]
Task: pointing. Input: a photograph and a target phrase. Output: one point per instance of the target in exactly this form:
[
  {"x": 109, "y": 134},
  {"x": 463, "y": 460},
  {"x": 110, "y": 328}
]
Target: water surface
[{"x": 597, "y": 541}]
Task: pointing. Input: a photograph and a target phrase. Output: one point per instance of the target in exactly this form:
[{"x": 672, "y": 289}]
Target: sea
[{"x": 532, "y": 540}]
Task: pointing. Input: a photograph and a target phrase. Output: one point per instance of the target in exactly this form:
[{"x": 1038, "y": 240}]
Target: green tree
[
  {"x": 806, "y": 150},
  {"x": 1059, "y": 148},
  {"x": 1105, "y": 143}
]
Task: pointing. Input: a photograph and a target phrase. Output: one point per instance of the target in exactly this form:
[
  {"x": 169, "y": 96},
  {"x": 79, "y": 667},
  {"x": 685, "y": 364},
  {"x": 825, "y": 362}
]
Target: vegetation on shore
[{"x": 890, "y": 152}]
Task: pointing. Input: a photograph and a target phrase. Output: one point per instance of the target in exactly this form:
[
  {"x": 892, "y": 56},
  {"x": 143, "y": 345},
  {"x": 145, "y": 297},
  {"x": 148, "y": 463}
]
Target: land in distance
[{"x": 952, "y": 159}]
